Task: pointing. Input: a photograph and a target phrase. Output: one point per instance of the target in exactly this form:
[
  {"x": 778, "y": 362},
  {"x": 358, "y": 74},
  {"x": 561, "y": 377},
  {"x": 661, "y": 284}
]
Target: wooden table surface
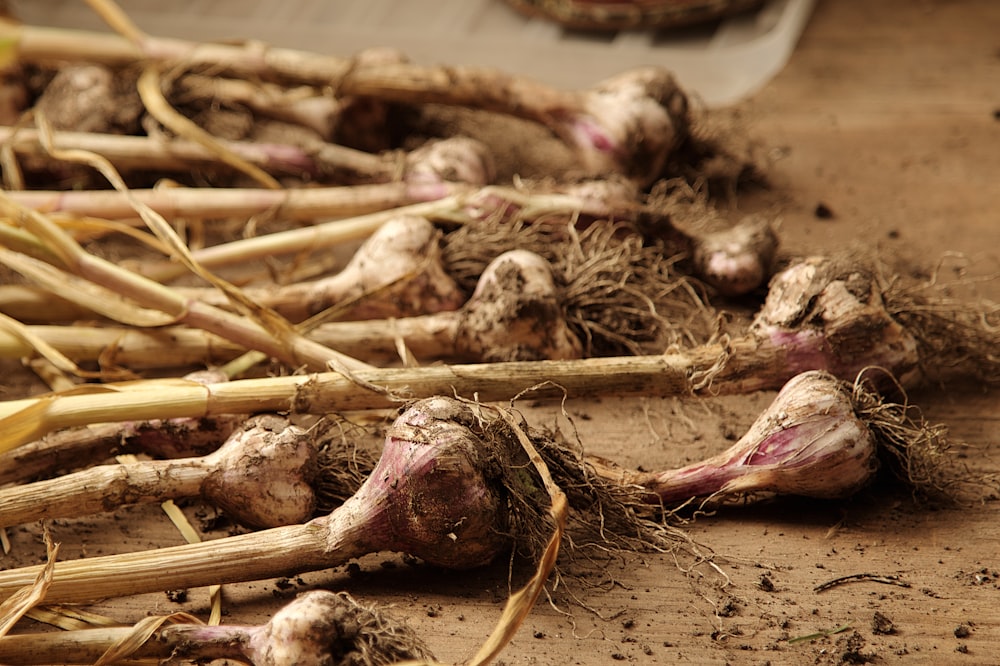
[{"x": 889, "y": 115}]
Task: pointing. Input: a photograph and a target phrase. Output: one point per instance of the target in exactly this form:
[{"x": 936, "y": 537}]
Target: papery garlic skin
[
  {"x": 307, "y": 631},
  {"x": 821, "y": 316},
  {"x": 428, "y": 494},
  {"x": 456, "y": 159},
  {"x": 808, "y": 442},
  {"x": 263, "y": 475},
  {"x": 737, "y": 260},
  {"x": 515, "y": 313},
  {"x": 401, "y": 261},
  {"x": 317, "y": 628},
  {"x": 631, "y": 123}
]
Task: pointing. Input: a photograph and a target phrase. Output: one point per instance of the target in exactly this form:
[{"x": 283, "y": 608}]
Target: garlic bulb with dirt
[
  {"x": 439, "y": 492},
  {"x": 317, "y": 628},
  {"x": 808, "y": 442},
  {"x": 402, "y": 260},
  {"x": 515, "y": 314},
  {"x": 396, "y": 272},
  {"x": 456, "y": 159},
  {"x": 737, "y": 260},
  {"x": 628, "y": 124},
  {"x": 262, "y": 476},
  {"x": 821, "y": 313},
  {"x": 321, "y": 627}
]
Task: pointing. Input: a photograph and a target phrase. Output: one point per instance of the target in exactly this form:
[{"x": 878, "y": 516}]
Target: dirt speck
[{"x": 882, "y": 625}]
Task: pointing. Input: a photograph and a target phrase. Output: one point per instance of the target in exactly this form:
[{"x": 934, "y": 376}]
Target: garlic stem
[
  {"x": 514, "y": 314},
  {"x": 400, "y": 263},
  {"x": 457, "y": 160},
  {"x": 78, "y": 447}
]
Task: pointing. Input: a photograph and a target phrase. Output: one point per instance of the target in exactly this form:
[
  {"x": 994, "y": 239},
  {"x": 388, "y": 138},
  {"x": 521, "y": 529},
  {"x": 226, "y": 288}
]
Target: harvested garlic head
[
  {"x": 435, "y": 489},
  {"x": 263, "y": 475},
  {"x": 397, "y": 272},
  {"x": 827, "y": 315},
  {"x": 808, "y": 442},
  {"x": 737, "y": 260},
  {"x": 631, "y": 124},
  {"x": 515, "y": 313},
  {"x": 321, "y": 627},
  {"x": 454, "y": 160}
]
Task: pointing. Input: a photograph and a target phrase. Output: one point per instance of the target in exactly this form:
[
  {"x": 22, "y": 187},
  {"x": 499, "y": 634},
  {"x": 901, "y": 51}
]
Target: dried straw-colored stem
[
  {"x": 79, "y": 447},
  {"x": 167, "y": 347},
  {"x": 52, "y": 452},
  {"x": 285, "y": 345},
  {"x": 317, "y": 161},
  {"x": 215, "y": 203},
  {"x": 177, "y": 346},
  {"x": 454, "y": 207},
  {"x": 750, "y": 367},
  {"x": 307, "y": 106},
  {"x": 172, "y": 155},
  {"x": 150, "y": 91},
  {"x": 79, "y": 646},
  {"x": 315, "y": 237},
  {"x": 251, "y": 60},
  {"x": 255, "y": 556},
  {"x": 100, "y": 488}
]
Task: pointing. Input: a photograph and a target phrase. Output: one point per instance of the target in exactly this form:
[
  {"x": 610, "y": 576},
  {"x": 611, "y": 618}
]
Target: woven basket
[{"x": 629, "y": 14}]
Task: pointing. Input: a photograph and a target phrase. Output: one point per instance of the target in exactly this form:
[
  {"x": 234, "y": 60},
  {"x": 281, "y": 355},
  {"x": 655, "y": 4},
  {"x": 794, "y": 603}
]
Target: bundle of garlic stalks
[
  {"x": 638, "y": 123},
  {"x": 353, "y": 130},
  {"x": 459, "y": 261},
  {"x": 313, "y": 231},
  {"x": 135, "y": 110}
]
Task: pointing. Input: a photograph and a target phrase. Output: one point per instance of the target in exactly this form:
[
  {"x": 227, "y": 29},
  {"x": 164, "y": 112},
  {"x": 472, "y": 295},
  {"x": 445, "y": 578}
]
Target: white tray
[{"x": 720, "y": 64}]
